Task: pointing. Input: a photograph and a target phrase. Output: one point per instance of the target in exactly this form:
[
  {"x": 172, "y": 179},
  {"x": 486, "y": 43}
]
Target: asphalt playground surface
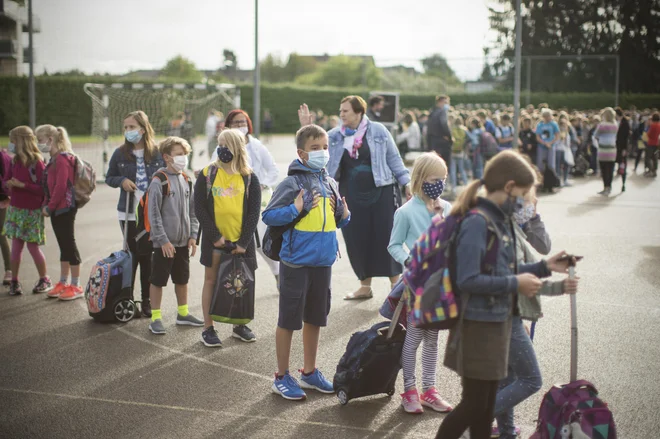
[{"x": 64, "y": 376}]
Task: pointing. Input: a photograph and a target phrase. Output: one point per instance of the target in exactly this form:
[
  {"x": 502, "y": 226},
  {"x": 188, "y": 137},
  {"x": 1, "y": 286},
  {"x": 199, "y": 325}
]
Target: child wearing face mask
[
  {"x": 24, "y": 224},
  {"x": 60, "y": 206},
  {"x": 307, "y": 201},
  {"x": 478, "y": 345},
  {"x": 227, "y": 203},
  {"x": 410, "y": 221},
  {"x": 174, "y": 230},
  {"x": 524, "y": 375}
]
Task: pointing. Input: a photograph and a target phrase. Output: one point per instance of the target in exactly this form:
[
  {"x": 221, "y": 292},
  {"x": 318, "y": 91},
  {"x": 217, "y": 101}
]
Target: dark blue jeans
[{"x": 523, "y": 381}]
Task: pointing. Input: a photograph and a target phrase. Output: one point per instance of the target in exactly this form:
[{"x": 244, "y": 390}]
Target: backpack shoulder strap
[
  {"x": 210, "y": 178},
  {"x": 164, "y": 181},
  {"x": 493, "y": 238},
  {"x": 247, "y": 187}
]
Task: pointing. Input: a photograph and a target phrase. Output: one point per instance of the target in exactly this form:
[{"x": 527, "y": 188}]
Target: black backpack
[{"x": 271, "y": 243}]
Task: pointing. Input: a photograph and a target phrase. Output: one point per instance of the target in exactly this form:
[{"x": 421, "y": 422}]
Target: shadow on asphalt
[
  {"x": 591, "y": 204},
  {"x": 648, "y": 268}
]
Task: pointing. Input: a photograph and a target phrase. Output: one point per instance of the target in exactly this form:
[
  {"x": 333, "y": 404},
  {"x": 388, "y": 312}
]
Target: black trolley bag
[
  {"x": 371, "y": 363},
  {"x": 109, "y": 292}
]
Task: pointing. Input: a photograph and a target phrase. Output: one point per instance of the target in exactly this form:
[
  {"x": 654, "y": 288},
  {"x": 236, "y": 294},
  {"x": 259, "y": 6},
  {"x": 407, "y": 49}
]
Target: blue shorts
[{"x": 304, "y": 296}]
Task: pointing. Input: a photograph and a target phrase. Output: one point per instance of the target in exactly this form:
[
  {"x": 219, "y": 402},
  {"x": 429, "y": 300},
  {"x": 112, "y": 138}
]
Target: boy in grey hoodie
[{"x": 174, "y": 229}]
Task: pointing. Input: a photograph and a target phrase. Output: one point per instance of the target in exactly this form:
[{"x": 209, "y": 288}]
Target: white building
[{"x": 13, "y": 37}]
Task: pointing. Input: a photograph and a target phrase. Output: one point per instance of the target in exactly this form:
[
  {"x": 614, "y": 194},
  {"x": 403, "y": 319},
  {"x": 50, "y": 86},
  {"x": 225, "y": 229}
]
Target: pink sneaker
[
  {"x": 59, "y": 289},
  {"x": 431, "y": 398},
  {"x": 410, "y": 402},
  {"x": 71, "y": 292}
]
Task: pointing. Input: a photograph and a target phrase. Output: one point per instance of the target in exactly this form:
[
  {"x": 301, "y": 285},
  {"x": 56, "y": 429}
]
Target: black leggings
[
  {"x": 144, "y": 261},
  {"x": 607, "y": 172},
  {"x": 64, "y": 228},
  {"x": 475, "y": 411},
  {"x": 4, "y": 244}
]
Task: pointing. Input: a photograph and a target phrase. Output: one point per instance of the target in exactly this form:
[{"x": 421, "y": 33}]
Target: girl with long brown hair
[{"x": 132, "y": 167}]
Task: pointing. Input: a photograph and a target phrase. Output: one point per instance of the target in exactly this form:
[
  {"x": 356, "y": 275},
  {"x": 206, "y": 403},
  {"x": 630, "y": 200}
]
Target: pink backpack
[{"x": 571, "y": 406}]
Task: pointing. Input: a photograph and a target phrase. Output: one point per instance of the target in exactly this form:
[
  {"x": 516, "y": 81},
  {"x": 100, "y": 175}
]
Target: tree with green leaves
[
  {"x": 344, "y": 71},
  {"x": 181, "y": 68},
  {"x": 628, "y": 28},
  {"x": 437, "y": 66}
]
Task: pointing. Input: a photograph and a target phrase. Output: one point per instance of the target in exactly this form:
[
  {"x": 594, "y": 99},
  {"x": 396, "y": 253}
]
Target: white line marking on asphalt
[
  {"x": 192, "y": 357},
  {"x": 285, "y": 420},
  {"x": 621, "y": 305}
]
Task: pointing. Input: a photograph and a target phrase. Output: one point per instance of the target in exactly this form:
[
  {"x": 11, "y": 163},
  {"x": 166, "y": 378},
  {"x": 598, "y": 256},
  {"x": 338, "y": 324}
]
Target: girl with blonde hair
[
  {"x": 60, "y": 205},
  {"x": 24, "y": 223},
  {"x": 131, "y": 168},
  {"x": 410, "y": 221},
  {"x": 605, "y": 134},
  {"x": 227, "y": 205}
]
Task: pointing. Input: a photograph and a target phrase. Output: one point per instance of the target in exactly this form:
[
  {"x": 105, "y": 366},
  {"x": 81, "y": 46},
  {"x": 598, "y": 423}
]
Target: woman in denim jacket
[
  {"x": 131, "y": 169},
  {"x": 478, "y": 346},
  {"x": 365, "y": 160}
]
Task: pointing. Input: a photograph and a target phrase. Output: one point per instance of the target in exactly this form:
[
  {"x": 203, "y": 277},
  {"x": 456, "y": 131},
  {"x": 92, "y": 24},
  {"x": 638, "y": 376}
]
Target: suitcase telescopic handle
[
  {"x": 395, "y": 319},
  {"x": 574, "y": 330},
  {"x": 128, "y": 203}
]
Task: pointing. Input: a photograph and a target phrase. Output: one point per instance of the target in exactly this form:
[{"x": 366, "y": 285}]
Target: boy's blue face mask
[{"x": 318, "y": 159}]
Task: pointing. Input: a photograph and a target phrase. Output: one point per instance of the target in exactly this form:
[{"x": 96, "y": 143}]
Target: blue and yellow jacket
[{"x": 313, "y": 241}]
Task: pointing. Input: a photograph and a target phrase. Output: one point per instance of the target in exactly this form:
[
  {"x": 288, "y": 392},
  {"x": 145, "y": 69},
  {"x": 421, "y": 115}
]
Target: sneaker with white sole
[
  {"x": 316, "y": 381},
  {"x": 43, "y": 286},
  {"x": 72, "y": 292},
  {"x": 431, "y": 398},
  {"x": 243, "y": 333},
  {"x": 188, "y": 320},
  {"x": 288, "y": 388},
  {"x": 156, "y": 327},
  {"x": 210, "y": 338},
  {"x": 410, "y": 402},
  {"x": 59, "y": 288}
]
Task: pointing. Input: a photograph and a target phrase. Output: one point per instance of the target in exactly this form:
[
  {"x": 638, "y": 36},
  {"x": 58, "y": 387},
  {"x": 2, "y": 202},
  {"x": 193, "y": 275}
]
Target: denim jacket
[
  {"x": 491, "y": 291},
  {"x": 122, "y": 167},
  {"x": 386, "y": 163}
]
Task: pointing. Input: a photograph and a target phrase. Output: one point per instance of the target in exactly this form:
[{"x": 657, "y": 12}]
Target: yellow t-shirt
[{"x": 228, "y": 192}]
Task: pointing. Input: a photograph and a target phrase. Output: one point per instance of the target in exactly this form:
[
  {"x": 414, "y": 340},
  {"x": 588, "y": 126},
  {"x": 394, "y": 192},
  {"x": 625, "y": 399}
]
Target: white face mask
[
  {"x": 43, "y": 147},
  {"x": 180, "y": 163},
  {"x": 243, "y": 130}
]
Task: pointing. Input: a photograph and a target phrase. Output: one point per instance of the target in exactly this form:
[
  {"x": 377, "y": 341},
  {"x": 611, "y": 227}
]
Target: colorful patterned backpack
[
  {"x": 429, "y": 277},
  {"x": 574, "y": 405}
]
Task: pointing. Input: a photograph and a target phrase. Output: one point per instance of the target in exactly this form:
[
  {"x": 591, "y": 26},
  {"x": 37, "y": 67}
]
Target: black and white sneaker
[
  {"x": 15, "y": 288},
  {"x": 244, "y": 333},
  {"x": 210, "y": 338}
]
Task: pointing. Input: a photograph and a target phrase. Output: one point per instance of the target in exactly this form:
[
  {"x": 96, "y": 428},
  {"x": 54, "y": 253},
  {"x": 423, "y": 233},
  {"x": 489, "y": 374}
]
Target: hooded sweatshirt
[
  {"x": 313, "y": 241},
  {"x": 172, "y": 217}
]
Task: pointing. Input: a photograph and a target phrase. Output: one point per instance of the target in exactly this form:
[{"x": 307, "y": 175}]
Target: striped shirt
[{"x": 606, "y": 135}]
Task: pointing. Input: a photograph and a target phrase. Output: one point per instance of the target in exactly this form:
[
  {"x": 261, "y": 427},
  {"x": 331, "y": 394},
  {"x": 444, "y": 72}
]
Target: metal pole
[
  {"x": 529, "y": 80},
  {"x": 256, "y": 115},
  {"x": 617, "y": 78},
  {"x": 31, "y": 86},
  {"x": 106, "y": 129},
  {"x": 516, "y": 87}
]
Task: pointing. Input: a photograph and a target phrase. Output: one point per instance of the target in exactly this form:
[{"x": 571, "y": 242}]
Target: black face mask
[{"x": 225, "y": 155}]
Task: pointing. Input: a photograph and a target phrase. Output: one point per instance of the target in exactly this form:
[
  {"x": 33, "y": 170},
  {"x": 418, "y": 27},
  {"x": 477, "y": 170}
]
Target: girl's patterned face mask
[{"x": 526, "y": 214}]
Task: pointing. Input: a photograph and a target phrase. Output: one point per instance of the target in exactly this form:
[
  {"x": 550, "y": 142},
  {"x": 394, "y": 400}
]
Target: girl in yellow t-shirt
[{"x": 227, "y": 205}]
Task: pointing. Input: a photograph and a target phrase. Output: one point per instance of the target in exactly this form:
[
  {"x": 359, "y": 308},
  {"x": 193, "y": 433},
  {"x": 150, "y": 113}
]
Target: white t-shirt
[{"x": 141, "y": 175}]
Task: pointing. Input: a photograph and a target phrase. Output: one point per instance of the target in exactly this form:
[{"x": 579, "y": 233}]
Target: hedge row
[{"x": 62, "y": 101}]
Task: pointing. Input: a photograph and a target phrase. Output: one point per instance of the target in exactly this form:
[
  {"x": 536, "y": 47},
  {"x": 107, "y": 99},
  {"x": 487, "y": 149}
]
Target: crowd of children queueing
[{"x": 225, "y": 205}]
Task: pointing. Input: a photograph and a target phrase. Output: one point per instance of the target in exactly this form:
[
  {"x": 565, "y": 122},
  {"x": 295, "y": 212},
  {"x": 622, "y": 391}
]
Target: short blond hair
[
  {"x": 427, "y": 164},
  {"x": 235, "y": 141},
  {"x": 166, "y": 146}
]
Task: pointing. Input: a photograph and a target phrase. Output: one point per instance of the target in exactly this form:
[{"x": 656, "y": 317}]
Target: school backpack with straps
[
  {"x": 142, "y": 217},
  {"x": 84, "y": 179},
  {"x": 271, "y": 244},
  {"x": 430, "y": 291},
  {"x": 488, "y": 145}
]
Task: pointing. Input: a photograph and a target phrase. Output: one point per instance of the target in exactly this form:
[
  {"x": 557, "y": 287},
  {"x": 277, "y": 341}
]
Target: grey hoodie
[{"x": 172, "y": 218}]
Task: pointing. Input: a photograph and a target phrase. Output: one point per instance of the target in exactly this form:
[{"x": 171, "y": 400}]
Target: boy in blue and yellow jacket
[{"x": 309, "y": 250}]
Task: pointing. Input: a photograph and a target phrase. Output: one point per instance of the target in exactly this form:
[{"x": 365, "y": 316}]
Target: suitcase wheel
[
  {"x": 342, "y": 396},
  {"x": 390, "y": 392},
  {"x": 124, "y": 310}
]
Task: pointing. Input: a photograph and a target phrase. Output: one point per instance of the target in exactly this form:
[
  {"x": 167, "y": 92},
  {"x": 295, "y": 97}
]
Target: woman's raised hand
[{"x": 304, "y": 115}]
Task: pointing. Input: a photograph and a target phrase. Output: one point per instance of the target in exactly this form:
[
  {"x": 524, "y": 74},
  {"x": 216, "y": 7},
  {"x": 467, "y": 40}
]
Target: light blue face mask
[
  {"x": 318, "y": 159},
  {"x": 446, "y": 107},
  {"x": 11, "y": 147},
  {"x": 133, "y": 136}
]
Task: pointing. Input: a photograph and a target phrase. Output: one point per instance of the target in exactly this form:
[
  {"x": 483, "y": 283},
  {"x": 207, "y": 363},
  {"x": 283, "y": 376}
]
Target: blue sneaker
[
  {"x": 288, "y": 388},
  {"x": 316, "y": 381}
]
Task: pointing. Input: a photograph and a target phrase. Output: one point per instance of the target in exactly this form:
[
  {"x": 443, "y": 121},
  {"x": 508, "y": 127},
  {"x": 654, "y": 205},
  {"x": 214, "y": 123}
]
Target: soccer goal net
[{"x": 173, "y": 109}]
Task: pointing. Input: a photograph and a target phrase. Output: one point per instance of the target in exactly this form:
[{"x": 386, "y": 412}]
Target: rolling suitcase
[
  {"x": 108, "y": 293},
  {"x": 372, "y": 361},
  {"x": 574, "y": 410}
]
